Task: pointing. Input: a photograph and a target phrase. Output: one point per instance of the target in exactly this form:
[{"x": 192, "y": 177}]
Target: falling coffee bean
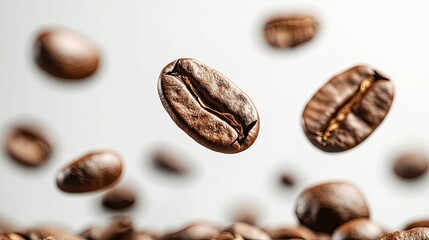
[
  {"x": 208, "y": 106},
  {"x": 324, "y": 207},
  {"x": 358, "y": 229},
  {"x": 347, "y": 109},
  {"x": 66, "y": 54},
  {"x": 90, "y": 172},
  {"x": 287, "y": 180},
  {"x": 169, "y": 162},
  {"x": 284, "y": 233},
  {"x": 242, "y": 231},
  {"x": 196, "y": 231},
  {"x": 411, "y": 165},
  {"x": 412, "y": 234},
  {"x": 28, "y": 146},
  {"x": 289, "y": 31},
  {"x": 119, "y": 198},
  {"x": 420, "y": 223}
]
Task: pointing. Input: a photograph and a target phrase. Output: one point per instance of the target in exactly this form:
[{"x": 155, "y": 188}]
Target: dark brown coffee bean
[
  {"x": 411, "y": 165},
  {"x": 66, "y": 54},
  {"x": 242, "y": 231},
  {"x": 208, "y": 106},
  {"x": 347, "y": 109},
  {"x": 420, "y": 223},
  {"x": 287, "y": 180},
  {"x": 324, "y": 207},
  {"x": 90, "y": 172},
  {"x": 169, "y": 162},
  {"x": 28, "y": 146},
  {"x": 119, "y": 198},
  {"x": 412, "y": 234},
  {"x": 120, "y": 228},
  {"x": 358, "y": 229},
  {"x": 197, "y": 231},
  {"x": 299, "y": 232},
  {"x": 290, "y": 30}
]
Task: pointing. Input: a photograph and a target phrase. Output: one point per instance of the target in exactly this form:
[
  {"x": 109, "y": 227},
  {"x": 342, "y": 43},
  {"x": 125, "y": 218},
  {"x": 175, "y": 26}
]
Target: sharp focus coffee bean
[
  {"x": 411, "y": 165},
  {"x": 358, "y": 229},
  {"x": 289, "y": 31},
  {"x": 412, "y": 234},
  {"x": 197, "y": 231},
  {"x": 208, "y": 106},
  {"x": 91, "y": 172},
  {"x": 66, "y": 54},
  {"x": 242, "y": 231},
  {"x": 420, "y": 223},
  {"x": 284, "y": 233},
  {"x": 347, "y": 109},
  {"x": 28, "y": 146},
  {"x": 324, "y": 207},
  {"x": 119, "y": 198}
]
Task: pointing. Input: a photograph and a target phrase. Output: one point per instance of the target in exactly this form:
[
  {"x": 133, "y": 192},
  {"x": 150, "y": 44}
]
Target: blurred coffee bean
[
  {"x": 119, "y": 198},
  {"x": 28, "y": 145},
  {"x": 358, "y": 229},
  {"x": 420, "y": 223},
  {"x": 323, "y": 236},
  {"x": 287, "y": 180},
  {"x": 412, "y": 234},
  {"x": 169, "y": 162},
  {"x": 56, "y": 232},
  {"x": 411, "y": 164},
  {"x": 66, "y": 54},
  {"x": 92, "y": 233},
  {"x": 242, "y": 231},
  {"x": 324, "y": 207},
  {"x": 299, "y": 232},
  {"x": 90, "y": 172},
  {"x": 120, "y": 228},
  {"x": 196, "y": 231},
  {"x": 289, "y": 31},
  {"x": 144, "y": 236}
]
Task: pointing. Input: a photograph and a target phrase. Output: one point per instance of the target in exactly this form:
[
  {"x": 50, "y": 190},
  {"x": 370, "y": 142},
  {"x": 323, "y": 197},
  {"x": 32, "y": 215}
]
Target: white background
[{"x": 119, "y": 107}]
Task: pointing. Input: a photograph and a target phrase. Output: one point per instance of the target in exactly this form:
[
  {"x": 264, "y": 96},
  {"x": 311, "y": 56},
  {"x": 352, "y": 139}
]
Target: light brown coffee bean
[
  {"x": 358, "y": 229},
  {"x": 420, "y": 233},
  {"x": 242, "y": 231},
  {"x": 411, "y": 164},
  {"x": 285, "y": 233}
]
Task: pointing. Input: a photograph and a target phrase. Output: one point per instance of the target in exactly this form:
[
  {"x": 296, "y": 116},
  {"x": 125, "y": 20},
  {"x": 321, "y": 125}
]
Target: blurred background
[{"x": 119, "y": 108}]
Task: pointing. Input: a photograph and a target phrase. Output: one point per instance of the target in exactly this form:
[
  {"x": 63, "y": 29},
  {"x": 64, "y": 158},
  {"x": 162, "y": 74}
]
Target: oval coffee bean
[
  {"x": 196, "y": 231},
  {"x": 242, "y": 231},
  {"x": 412, "y": 234},
  {"x": 90, "y": 172},
  {"x": 120, "y": 228},
  {"x": 358, "y": 229},
  {"x": 299, "y": 232},
  {"x": 170, "y": 162},
  {"x": 208, "y": 106},
  {"x": 66, "y": 54},
  {"x": 420, "y": 223},
  {"x": 324, "y": 207},
  {"x": 28, "y": 146},
  {"x": 411, "y": 165},
  {"x": 119, "y": 198},
  {"x": 290, "y": 30},
  {"x": 347, "y": 109}
]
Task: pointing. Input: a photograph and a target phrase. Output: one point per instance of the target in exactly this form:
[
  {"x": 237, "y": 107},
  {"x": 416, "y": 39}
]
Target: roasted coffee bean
[
  {"x": 196, "y": 231},
  {"x": 92, "y": 233},
  {"x": 298, "y": 232},
  {"x": 324, "y": 207},
  {"x": 242, "y": 231},
  {"x": 56, "y": 232},
  {"x": 169, "y": 162},
  {"x": 420, "y": 223},
  {"x": 208, "y": 106},
  {"x": 358, "y": 229},
  {"x": 412, "y": 234},
  {"x": 90, "y": 172},
  {"x": 120, "y": 228},
  {"x": 287, "y": 180},
  {"x": 66, "y": 54},
  {"x": 28, "y": 146},
  {"x": 411, "y": 165},
  {"x": 144, "y": 236},
  {"x": 347, "y": 109},
  {"x": 290, "y": 30},
  {"x": 119, "y": 198}
]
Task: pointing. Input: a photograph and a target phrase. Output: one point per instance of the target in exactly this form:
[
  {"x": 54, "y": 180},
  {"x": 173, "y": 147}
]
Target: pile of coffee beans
[{"x": 218, "y": 115}]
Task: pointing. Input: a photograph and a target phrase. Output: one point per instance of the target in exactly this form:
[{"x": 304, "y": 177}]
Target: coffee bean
[
  {"x": 419, "y": 223},
  {"x": 120, "y": 228},
  {"x": 287, "y": 180},
  {"x": 119, "y": 198},
  {"x": 196, "y": 231},
  {"x": 144, "y": 236},
  {"x": 28, "y": 146},
  {"x": 90, "y": 172},
  {"x": 92, "y": 233},
  {"x": 208, "y": 106},
  {"x": 299, "y": 232},
  {"x": 66, "y": 54},
  {"x": 242, "y": 231},
  {"x": 412, "y": 234},
  {"x": 289, "y": 31},
  {"x": 324, "y": 207},
  {"x": 411, "y": 165},
  {"x": 169, "y": 162},
  {"x": 347, "y": 109},
  {"x": 358, "y": 229}
]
